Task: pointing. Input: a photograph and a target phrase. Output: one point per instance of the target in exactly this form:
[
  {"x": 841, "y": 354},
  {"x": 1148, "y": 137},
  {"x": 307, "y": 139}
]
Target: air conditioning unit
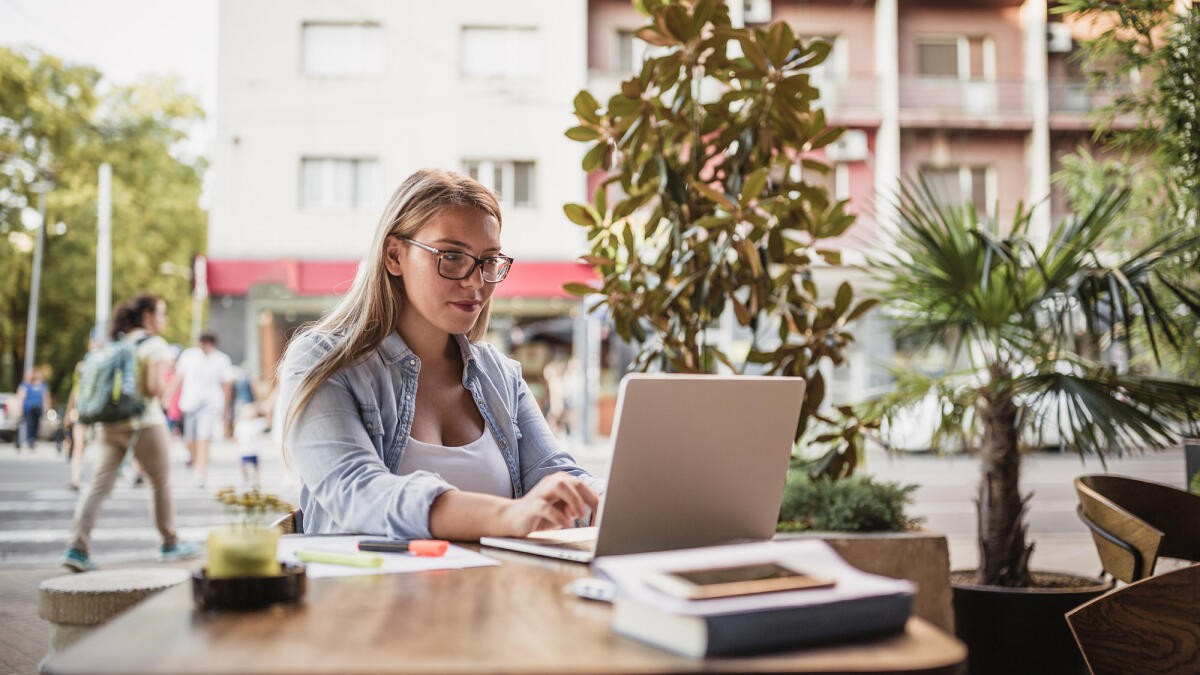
[
  {"x": 851, "y": 146},
  {"x": 756, "y": 11},
  {"x": 1058, "y": 38}
]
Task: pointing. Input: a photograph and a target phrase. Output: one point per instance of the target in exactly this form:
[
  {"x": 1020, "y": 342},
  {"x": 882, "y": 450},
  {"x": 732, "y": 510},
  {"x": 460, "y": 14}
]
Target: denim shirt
[{"x": 348, "y": 441}]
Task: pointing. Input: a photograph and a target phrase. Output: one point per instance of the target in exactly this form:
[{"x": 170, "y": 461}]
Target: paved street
[{"x": 36, "y": 509}]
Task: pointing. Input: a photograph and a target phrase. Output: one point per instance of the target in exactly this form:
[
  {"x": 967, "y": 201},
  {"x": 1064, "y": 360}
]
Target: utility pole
[
  {"x": 104, "y": 254},
  {"x": 35, "y": 284}
]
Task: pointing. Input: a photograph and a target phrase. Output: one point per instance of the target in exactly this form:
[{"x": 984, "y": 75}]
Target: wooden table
[{"x": 514, "y": 618}]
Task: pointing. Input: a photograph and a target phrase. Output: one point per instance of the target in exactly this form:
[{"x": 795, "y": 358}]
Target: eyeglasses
[{"x": 457, "y": 265}]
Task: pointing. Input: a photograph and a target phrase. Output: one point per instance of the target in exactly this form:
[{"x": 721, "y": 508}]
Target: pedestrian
[
  {"x": 35, "y": 400},
  {"x": 140, "y": 322},
  {"x": 248, "y": 429},
  {"x": 205, "y": 376},
  {"x": 402, "y": 421}
]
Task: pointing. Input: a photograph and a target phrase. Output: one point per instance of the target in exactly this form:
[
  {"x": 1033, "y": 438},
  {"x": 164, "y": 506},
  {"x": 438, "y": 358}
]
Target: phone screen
[{"x": 740, "y": 573}]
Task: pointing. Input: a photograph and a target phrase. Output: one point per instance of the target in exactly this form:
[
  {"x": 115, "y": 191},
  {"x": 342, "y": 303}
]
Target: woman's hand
[{"x": 555, "y": 501}]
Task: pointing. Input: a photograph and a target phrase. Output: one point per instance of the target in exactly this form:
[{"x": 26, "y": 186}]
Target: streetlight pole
[
  {"x": 104, "y": 253},
  {"x": 35, "y": 284}
]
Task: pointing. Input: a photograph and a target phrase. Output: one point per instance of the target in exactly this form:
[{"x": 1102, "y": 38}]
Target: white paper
[
  {"x": 814, "y": 557},
  {"x": 456, "y": 557}
]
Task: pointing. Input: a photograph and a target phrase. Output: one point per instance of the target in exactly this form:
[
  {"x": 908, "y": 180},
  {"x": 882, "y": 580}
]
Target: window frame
[{"x": 368, "y": 73}]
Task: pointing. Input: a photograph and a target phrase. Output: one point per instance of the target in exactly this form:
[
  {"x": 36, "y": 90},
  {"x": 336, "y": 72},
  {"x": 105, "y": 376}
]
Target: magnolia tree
[{"x": 704, "y": 207}]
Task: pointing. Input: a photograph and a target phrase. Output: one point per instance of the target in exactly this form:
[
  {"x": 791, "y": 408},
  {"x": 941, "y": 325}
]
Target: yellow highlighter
[{"x": 336, "y": 558}]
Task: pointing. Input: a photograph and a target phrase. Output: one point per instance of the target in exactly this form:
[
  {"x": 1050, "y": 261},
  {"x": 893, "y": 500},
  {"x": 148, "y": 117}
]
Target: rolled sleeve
[{"x": 339, "y": 463}]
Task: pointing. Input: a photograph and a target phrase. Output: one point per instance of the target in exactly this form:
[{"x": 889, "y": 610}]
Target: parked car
[{"x": 10, "y": 417}]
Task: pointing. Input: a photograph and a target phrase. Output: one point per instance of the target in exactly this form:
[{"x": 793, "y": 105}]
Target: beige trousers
[{"x": 151, "y": 451}]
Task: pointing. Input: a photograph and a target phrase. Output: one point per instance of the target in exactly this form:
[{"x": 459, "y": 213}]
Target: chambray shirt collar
[{"x": 394, "y": 349}]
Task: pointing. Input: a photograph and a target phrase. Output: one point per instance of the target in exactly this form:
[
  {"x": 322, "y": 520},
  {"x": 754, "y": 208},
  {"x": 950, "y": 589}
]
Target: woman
[
  {"x": 400, "y": 420},
  {"x": 34, "y": 399},
  {"x": 139, "y": 321}
]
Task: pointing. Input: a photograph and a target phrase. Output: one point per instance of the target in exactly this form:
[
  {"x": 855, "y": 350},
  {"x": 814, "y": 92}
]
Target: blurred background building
[{"x": 324, "y": 107}]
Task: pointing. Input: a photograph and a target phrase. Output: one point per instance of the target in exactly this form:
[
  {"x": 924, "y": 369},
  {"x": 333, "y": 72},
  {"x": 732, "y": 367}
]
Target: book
[{"x": 857, "y": 606}]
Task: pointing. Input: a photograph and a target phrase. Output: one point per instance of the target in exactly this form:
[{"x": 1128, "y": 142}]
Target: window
[
  {"x": 342, "y": 49},
  {"x": 512, "y": 180},
  {"x": 964, "y": 58},
  {"x": 628, "y": 58},
  {"x": 957, "y": 185},
  {"x": 335, "y": 184},
  {"x": 507, "y": 53}
]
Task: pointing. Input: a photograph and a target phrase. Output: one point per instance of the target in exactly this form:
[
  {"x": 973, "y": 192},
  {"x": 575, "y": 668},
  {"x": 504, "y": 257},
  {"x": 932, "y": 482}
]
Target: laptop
[{"x": 697, "y": 460}]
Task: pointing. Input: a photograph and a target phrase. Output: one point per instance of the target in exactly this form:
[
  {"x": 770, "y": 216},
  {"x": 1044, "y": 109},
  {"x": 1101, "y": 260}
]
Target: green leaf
[
  {"x": 586, "y": 107},
  {"x": 579, "y": 214},
  {"x": 719, "y": 197},
  {"x": 593, "y": 158},
  {"x": 845, "y": 295},
  {"x": 581, "y": 133},
  {"x": 578, "y": 289},
  {"x": 753, "y": 186}
]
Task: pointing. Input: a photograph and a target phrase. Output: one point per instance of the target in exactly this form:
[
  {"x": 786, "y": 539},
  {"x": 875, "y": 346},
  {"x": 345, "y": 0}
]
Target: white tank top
[{"x": 477, "y": 466}]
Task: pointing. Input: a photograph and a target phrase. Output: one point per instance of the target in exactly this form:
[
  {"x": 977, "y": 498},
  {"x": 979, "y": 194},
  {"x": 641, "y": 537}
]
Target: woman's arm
[{"x": 553, "y": 502}]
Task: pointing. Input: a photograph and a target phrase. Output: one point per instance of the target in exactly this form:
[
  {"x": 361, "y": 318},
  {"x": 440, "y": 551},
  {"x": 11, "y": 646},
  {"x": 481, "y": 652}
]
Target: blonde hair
[{"x": 367, "y": 314}]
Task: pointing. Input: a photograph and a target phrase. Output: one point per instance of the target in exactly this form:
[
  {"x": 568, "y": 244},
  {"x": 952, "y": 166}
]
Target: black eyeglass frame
[{"x": 477, "y": 265}]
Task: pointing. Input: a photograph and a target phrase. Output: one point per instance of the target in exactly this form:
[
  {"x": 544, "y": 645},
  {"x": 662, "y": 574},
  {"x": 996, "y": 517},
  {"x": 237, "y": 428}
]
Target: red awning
[{"x": 334, "y": 277}]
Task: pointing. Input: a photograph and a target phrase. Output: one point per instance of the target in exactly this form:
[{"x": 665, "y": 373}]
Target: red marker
[{"x": 423, "y": 547}]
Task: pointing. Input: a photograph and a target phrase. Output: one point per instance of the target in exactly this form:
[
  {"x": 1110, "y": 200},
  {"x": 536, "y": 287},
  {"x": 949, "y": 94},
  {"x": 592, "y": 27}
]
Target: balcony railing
[
  {"x": 1074, "y": 96},
  {"x": 841, "y": 97},
  {"x": 965, "y": 99}
]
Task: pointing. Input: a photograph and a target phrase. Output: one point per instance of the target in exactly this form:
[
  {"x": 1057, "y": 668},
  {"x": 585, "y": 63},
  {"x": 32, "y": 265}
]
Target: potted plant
[
  {"x": 246, "y": 546},
  {"x": 1031, "y": 320}
]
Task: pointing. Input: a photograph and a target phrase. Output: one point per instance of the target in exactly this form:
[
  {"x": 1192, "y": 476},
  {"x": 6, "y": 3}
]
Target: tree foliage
[
  {"x": 1159, "y": 157},
  {"x": 707, "y": 147},
  {"x": 58, "y": 123}
]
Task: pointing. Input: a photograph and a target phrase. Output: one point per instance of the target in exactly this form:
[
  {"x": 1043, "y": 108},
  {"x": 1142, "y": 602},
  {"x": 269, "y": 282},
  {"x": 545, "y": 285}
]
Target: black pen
[{"x": 423, "y": 547}]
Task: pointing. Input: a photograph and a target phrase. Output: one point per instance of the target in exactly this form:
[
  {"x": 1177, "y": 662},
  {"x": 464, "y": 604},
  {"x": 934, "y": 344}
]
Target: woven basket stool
[{"x": 75, "y": 604}]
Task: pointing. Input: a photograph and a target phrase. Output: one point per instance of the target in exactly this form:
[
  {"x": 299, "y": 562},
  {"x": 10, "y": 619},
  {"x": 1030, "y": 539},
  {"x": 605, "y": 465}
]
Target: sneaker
[
  {"x": 180, "y": 551},
  {"x": 77, "y": 561}
]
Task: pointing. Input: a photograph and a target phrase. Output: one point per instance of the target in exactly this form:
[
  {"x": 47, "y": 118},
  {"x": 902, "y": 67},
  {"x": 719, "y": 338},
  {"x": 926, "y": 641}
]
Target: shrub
[{"x": 854, "y": 504}]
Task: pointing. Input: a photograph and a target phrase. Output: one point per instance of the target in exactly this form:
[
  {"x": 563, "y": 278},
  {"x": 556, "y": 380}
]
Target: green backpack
[{"x": 108, "y": 384}]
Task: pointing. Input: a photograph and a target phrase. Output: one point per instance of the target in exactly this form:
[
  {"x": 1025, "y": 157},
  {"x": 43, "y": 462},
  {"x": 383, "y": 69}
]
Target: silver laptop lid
[{"x": 697, "y": 460}]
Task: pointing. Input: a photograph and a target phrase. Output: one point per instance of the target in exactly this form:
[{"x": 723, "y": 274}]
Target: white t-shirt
[
  {"x": 203, "y": 378},
  {"x": 152, "y": 350}
]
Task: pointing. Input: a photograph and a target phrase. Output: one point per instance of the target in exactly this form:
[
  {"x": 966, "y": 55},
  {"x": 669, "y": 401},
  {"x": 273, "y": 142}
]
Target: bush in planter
[
  {"x": 854, "y": 504},
  {"x": 1032, "y": 318},
  {"x": 708, "y": 145}
]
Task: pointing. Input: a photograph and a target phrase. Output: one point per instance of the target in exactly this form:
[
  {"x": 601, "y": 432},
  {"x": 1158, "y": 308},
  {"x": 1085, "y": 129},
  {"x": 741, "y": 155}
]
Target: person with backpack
[
  {"x": 35, "y": 400},
  {"x": 119, "y": 386}
]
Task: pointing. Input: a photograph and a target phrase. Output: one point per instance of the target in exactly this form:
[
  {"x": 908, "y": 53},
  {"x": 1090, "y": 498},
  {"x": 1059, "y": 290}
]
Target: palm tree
[{"x": 1032, "y": 321}]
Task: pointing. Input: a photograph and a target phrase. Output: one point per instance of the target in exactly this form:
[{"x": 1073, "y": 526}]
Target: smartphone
[{"x": 723, "y": 582}]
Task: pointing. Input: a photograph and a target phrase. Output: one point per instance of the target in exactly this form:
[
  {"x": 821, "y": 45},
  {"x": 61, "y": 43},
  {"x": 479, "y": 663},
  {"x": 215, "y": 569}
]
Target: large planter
[
  {"x": 919, "y": 556},
  {"x": 1021, "y": 630},
  {"x": 1191, "y": 458}
]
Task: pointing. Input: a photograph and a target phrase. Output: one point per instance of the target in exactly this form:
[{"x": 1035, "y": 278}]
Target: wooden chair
[
  {"x": 292, "y": 523},
  {"x": 1151, "y": 626},
  {"x": 1134, "y": 522}
]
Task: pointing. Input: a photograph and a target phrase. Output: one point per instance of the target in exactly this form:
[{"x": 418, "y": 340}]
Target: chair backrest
[
  {"x": 1151, "y": 626},
  {"x": 1127, "y": 545},
  {"x": 1174, "y": 513},
  {"x": 292, "y": 523}
]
